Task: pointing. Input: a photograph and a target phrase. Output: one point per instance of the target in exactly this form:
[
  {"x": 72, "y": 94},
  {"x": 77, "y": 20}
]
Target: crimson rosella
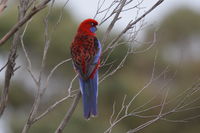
[{"x": 86, "y": 52}]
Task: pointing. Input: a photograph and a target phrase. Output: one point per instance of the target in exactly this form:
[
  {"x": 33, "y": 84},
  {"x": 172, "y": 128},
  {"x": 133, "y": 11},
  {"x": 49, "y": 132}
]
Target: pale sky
[{"x": 82, "y": 9}]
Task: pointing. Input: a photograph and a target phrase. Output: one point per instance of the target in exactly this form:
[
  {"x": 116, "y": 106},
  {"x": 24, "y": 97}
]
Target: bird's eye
[{"x": 92, "y": 24}]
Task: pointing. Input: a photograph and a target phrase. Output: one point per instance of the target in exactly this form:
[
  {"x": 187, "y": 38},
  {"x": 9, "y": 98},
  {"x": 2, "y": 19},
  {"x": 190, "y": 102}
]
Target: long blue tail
[{"x": 89, "y": 90}]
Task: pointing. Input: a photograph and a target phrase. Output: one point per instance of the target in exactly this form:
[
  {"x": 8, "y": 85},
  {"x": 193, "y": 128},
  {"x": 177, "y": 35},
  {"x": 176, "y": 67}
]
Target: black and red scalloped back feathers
[
  {"x": 84, "y": 27},
  {"x": 85, "y": 45}
]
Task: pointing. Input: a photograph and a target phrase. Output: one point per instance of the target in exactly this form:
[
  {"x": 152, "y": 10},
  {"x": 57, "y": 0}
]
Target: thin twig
[
  {"x": 4, "y": 67},
  {"x": 52, "y": 107},
  {"x": 39, "y": 92},
  {"x": 29, "y": 67},
  {"x": 19, "y": 24},
  {"x": 69, "y": 113},
  {"x": 116, "y": 17},
  {"x": 51, "y": 73},
  {"x": 10, "y": 69},
  {"x": 3, "y": 5},
  {"x": 131, "y": 24}
]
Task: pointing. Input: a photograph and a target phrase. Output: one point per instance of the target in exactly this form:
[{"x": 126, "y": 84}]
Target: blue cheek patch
[{"x": 93, "y": 29}]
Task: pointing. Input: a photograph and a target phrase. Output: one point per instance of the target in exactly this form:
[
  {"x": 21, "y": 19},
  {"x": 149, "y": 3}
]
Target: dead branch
[
  {"x": 69, "y": 113},
  {"x": 22, "y": 21},
  {"x": 115, "y": 19},
  {"x": 3, "y": 5},
  {"x": 10, "y": 69},
  {"x": 53, "y": 106},
  {"x": 131, "y": 24},
  {"x": 41, "y": 90},
  {"x": 4, "y": 67}
]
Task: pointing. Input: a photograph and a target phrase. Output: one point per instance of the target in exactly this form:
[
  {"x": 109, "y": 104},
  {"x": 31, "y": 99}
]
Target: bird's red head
[{"x": 88, "y": 27}]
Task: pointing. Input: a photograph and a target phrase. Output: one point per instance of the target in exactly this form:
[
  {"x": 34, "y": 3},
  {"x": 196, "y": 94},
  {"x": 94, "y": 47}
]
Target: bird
[{"x": 86, "y": 52}]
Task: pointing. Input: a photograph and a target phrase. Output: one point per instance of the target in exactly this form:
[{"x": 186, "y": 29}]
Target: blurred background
[{"x": 177, "y": 25}]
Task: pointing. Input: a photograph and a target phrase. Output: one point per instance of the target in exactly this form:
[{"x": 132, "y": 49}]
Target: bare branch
[
  {"x": 3, "y": 5},
  {"x": 150, "y": 81},
  {"x": 4, "y": 67},
  {"x": 22, "y": 21},
  {"x": 10, "y": 69},
  {"x": 70, "y": 95},
  {"x": 39, "y": 92},
  {"x": 52, "y": 107},
  {"x": 116, "y": 17},
  {"x": 29, "y": 67},
  {"x": 40, "y": 89},
  {"x": 131, "y": 24},
  {"x": 144, "y": 125},
  {"x": 52, "y": 71},
  {"x": 68, "y": 114}
]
